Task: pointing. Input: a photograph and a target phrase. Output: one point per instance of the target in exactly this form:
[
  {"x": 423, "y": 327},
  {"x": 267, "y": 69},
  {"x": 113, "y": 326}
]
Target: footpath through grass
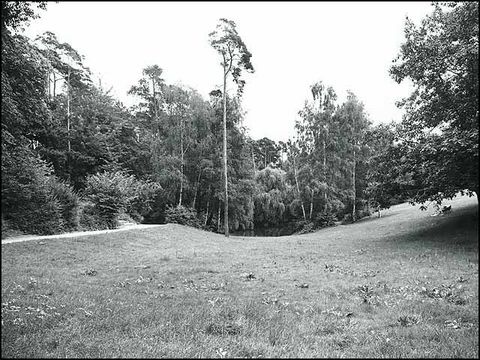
[{"x": 404, "y": 285}]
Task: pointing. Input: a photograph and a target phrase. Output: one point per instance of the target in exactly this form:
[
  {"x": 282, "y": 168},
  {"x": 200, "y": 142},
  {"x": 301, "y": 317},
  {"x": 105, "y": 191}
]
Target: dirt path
[{"x": 21, "y": 238}]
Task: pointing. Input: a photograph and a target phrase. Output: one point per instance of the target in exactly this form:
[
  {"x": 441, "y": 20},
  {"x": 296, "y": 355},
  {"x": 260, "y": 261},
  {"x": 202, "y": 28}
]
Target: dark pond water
[{"x": 264, "y": 232}]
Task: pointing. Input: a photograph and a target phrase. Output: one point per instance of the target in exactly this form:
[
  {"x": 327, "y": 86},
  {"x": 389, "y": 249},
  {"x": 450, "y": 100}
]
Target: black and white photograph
[{"x": 239, "y": 179}]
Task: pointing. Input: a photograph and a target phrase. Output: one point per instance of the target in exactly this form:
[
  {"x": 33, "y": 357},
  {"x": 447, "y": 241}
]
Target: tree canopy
[
  {"x": 73, "y": 157},
  {"x": 439, "y": 134}
]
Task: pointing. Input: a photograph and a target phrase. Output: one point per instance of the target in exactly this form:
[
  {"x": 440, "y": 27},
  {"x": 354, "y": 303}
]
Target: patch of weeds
[
  {"x": 18, "y": 288},
  {"x": 216, "y": 287},
  {"x": 408, "y": 320},
  {"x": 342, "y": 342},
  {"x": 222, "y": 329},
  {"x": 367, "y": 295},
  {"x": 205, "y": 287},
  {"x": 269, "y": 300},
  {"x": 302, "y": 286},
  {"x": 249, "y": 353},
  {"x": 142, "y": 280},
  {"x": 221, "y": 353},
  {"x": 210, "y": 271},
  {"x": 447, "y": 292},
  {"x": 331, "y": 268},
  {"x": 89, "y": 272},
  {"x": 32, "y": 283},
  {"x": 249, "y": 276},
  {"x": 122, "y": 284},
  {"x": 215, "y": 301},
  {"x": 224, "y": 321},
  {"x": 345, "y": 271},
  {"x": 458, "y": 324}
]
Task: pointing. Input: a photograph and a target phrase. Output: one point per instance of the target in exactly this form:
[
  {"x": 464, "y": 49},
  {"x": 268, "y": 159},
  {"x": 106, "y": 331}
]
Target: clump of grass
[{"x": 408, "y": 320}]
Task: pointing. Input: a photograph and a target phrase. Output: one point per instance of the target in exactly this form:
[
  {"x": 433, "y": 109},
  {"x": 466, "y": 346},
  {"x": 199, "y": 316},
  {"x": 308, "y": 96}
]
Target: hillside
[{"x": 404, "y": 285}]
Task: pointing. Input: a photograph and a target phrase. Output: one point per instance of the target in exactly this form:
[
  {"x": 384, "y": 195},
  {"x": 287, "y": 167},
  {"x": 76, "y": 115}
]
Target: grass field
[{"x": 404, "y": 285}]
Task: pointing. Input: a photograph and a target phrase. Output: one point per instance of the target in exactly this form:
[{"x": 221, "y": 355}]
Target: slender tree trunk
[
  {"x": 253, "y": 161},
  {"x": 325, "y": 174},
  {"x": 54, "y": 83},
  {"x": 68, "y": 120},
  {"x": 218, "y": 216},
  {"x": 225, "y": 219},
  {"x": 311, "y": 206},
  {"x": 154, "y": 100},
  {"x": 47, "y": 82},
  {"x": 265, "y": 158},
  {"x": 196, "y": 189},
  {"x": 298, "y": 189},
  {"x": 181, "y": 163},
  {"x": 206, "y": 214},
  {"x": 68, "y": 125},
  {"x": 354, "y": 188},
  {"x": 354, "y": 218}
]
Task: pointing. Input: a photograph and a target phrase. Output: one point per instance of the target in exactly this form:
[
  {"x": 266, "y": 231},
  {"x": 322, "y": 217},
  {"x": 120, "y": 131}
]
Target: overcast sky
[{"x": 347, "y": 45}]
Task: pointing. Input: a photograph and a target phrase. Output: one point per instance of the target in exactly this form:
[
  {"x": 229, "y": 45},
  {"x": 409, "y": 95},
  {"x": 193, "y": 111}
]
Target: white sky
[{"x": 348, "y": 45}]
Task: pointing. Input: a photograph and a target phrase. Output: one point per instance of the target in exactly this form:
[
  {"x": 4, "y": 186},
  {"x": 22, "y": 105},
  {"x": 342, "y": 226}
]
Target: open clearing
[{"x": 404, "y": 285}]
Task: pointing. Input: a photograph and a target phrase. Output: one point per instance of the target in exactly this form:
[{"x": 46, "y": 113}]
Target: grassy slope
[{"x": 194, "y": 299}]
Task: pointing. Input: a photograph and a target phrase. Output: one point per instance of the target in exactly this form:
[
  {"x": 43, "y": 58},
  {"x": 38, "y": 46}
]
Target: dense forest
[{"x": 75, "y": 158}]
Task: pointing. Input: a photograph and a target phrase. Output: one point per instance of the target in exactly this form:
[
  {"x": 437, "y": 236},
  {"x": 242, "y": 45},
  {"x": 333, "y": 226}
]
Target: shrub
[
  {"x": 106, "y": 192},
  {"x": 304, "y": 226},
  {"x": 89, "y": 219},
  {"x": 324, "y": 219},
  {"x": 112, "y": 193},
  {"x": 141, "y": 204},
  {"x": 38, "y": 212},
  {"x": 69, "y": 203},
  {"x": 33, "y": 200},
  {"x": 46, "y": 219},
  {"x": 182, "y": 215},
  {"x": 363, "y": 213},
  {"x": 347, "y": 219}
]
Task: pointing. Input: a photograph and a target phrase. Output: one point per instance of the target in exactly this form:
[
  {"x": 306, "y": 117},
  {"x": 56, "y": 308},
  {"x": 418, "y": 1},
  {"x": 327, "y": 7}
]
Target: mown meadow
[{"x": 404, "y": 285}]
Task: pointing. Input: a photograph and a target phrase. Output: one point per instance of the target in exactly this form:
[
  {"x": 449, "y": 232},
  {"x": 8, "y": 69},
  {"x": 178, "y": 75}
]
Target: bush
[
  {"x": 182, "y": 215},
  {"x": 141, "y": 203},
  {"x": 33, "y": 200},
  {"x": 363, "y": 213},
  {"x": 89, "y": 218},
  {"x": 304, "y": 226},
  {"x": 347, "y": 219},
  {"x": 47, "y": 219},
  {"x": 38, "y": 212},
  {"x": 324, "y": 219},
  {"x": 112, "y": 193},
  {"x": 107, "y": 192},
  {"x": 69, "y": 203}
]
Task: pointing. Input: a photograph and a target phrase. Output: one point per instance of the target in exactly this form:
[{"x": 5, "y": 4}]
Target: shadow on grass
[{"x": 458, "y": 228}]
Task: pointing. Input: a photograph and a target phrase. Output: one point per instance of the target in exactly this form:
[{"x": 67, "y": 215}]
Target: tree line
[{"x": 74, "y": 157}]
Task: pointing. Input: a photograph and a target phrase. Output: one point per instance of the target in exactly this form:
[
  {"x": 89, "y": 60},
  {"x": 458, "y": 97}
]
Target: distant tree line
[{"x": 73, "y": 157}]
